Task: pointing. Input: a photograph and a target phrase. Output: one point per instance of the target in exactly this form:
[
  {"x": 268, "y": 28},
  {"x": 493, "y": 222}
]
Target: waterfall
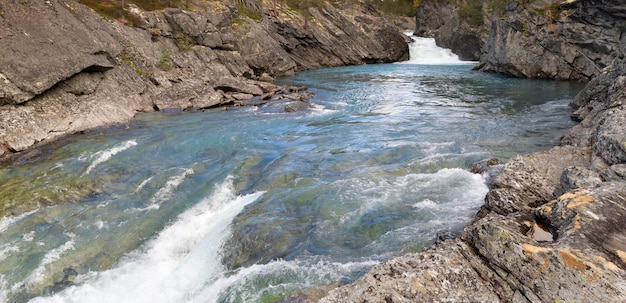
[{"x": 425, "y": 51}]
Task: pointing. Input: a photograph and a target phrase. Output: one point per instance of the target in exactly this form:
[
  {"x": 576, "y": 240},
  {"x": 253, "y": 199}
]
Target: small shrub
[
  {"x": 471, "y": 12},
  {"x": 184, "y": 42},
  {"x": 128, "y": 59},
  {"x": 498, "y": 6},
  {"x": 397, "y": 7},
  {"x": 525, "y": 29},
  {"x": 252, "y": 13},
  {"x": 165, "y": 62}
]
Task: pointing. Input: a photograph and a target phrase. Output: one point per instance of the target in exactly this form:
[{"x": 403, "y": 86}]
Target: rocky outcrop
[
  {"x": 552, "y": 39},
  {"x": 559, "y": 40},
  {"x": 72, "y": 70},
  {"x": 553, "y": 227}
]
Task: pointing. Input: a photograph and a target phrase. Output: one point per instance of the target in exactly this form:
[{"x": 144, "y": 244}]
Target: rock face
[
  {"x": 72, "y": 70},
  {"x": 557, "y": 41},
  {"x": 553, "y": 39},
  {"x": 553, "y": 227}
]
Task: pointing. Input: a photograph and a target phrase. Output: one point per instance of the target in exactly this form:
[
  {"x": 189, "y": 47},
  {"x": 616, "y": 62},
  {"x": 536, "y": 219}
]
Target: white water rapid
[
  {"x": 425, "y": 51},
  {"x": 178, "y": 263}
]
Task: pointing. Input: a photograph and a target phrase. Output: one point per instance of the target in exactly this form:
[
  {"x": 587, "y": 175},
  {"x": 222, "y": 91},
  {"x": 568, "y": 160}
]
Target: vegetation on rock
[{"x": 253, "y": 9}]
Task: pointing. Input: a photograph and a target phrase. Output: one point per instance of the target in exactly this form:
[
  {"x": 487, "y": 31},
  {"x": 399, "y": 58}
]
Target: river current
[{"x": 254, "y": 204}]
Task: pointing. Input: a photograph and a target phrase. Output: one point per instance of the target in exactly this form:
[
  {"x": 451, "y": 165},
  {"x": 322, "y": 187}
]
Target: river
[{"x": 254, "y": 204}]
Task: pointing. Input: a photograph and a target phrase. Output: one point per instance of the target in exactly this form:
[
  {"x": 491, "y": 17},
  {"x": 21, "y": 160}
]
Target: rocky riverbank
[
  {"x": 74, "y": 70},
  {"x": 553, "y": 227}
]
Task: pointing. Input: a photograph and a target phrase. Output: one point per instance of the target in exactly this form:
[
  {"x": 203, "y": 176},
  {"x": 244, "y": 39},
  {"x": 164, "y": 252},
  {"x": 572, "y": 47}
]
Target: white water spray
[
  {"x": 425, "y": 51},
  {"x": 105, "y": 155},
  {"x": 178, "y": 262}
]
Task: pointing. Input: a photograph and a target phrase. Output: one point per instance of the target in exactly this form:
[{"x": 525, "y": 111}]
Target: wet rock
[
  {"x": 297, "y": 106},
  {"x": 488, "y": 168}
]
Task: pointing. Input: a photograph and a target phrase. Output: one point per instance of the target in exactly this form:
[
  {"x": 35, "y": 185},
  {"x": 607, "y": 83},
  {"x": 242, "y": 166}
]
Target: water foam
[
  {"x": 425, "y": 51},
  {"x": 166, "y": 191},
  {"x": 279, "y": 276},
  {"x": 105, "y": 155},
  {"x": 449, "y": 191},
  {"x": 8, "y": 221},
  {"x": 177, "y": 262},
  {"x": 39, "y": 274}
]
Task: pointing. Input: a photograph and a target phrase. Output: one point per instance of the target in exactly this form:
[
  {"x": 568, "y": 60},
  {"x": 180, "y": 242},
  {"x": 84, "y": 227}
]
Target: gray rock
[
  {"x": 577, "y": 177},
  {"x": 79, "y": 71},
  {"x": 188, "y": 94},
  {"x": 530, "y": 181},
  {"x": 487, "y": 168},
  {"x": 64, "y": 41},
  {"x": 297, "y": 106},
  {"x": 574, "y": 40}
]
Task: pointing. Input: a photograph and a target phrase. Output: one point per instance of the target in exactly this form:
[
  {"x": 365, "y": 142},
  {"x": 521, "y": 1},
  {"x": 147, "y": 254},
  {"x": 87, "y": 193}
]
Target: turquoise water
[{"x": 254, "y": 204}]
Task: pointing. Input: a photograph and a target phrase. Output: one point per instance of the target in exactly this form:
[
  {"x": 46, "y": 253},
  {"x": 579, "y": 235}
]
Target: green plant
[
  {"x": 498, "y": 6},
  {"x": 165, "y": 62},
  {"x": 184, "y": 42},
  {"x": 252, "y": 13},
  {"x": 127, "y": 58},
  {"x": 525, "y": 29},
  {"x": 471, "y": 12},
  {"x": 397, "y": 7}
]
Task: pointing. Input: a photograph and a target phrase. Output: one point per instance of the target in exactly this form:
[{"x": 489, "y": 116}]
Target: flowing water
[{"x": 254, "y": 204}]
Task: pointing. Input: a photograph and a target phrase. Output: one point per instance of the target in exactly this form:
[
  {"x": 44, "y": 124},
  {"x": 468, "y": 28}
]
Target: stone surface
[
  {"x": 555, "y": 39},
  {"x": 66, "y": 40},
  {"x": 72, "y": 70},
  {"x": 551, "y": 39}
]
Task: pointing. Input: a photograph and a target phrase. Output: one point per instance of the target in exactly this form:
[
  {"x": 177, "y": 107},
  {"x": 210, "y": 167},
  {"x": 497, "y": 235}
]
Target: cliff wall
[
  {"x": 72, "y": 70},
  {"x": 552, "y": 39}
]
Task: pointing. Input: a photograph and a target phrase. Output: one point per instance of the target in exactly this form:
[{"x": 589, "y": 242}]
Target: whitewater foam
[
  {"x": 426, "y": 52},
  {"x": 166, "y": 191},
  {"x": 177, "y": 262},
  {"x": 284, "y": 276},
  {"x": 8, "y": 221},
  {"x": 105, "y": 155},
  {"x": 39, "y": 274}
]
